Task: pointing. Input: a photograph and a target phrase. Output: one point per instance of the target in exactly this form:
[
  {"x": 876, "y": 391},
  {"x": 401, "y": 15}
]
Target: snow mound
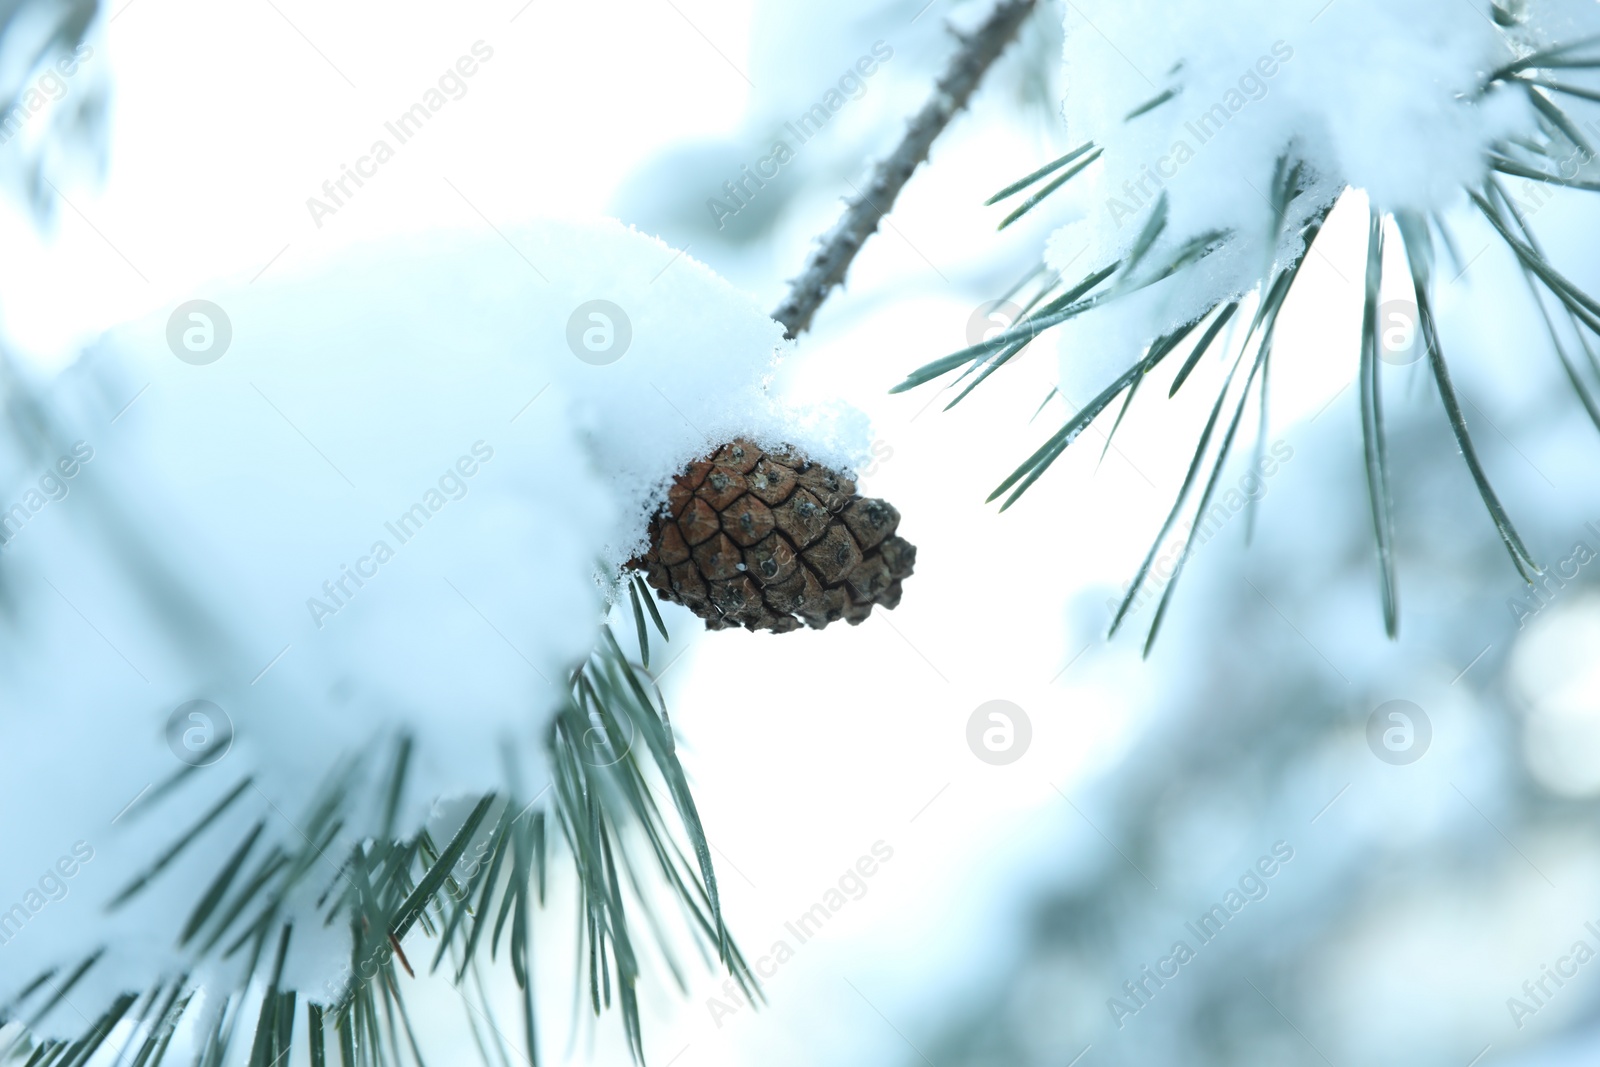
[
  {"x": 374, "y": 498},
  {"x": 1386, "y": 96}
]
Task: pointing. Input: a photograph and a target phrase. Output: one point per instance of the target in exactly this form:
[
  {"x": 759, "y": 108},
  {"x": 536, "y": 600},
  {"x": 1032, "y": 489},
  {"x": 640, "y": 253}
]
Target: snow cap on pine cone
[{"x": 219, "y": 540}]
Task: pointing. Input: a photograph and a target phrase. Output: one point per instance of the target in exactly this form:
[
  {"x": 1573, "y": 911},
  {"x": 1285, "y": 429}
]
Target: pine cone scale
[
  {"x": 834, "y": 556},
  {"x": 748, "y": 521},
  {"x": 772, "y": 561},
  {"x": 802, "y": 518},
  {"x": 674, "y": 549},
  {"x": 723, "y": 485},
  {"x": 772, "y": 483},
  {"x": 699, "y": 522}
]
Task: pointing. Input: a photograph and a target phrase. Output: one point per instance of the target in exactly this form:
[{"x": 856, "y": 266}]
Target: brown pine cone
[{"x": 767, "y": 540}]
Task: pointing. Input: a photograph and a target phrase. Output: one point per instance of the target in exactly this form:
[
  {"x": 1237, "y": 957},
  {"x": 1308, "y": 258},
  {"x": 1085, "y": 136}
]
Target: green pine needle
[
  {"x": 611, "y": 750},
  {"x": 1151, "y": 104},
  {"x": 1200, "y": 348},
  {"x": 1373, "y": 442},
  {"x": 1037, "y": 198},
  {"x": 1415, "y": 233},
  {"x": 1049, "y": 168}
]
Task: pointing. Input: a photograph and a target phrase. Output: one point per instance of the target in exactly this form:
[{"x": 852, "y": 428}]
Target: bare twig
[{"x": 837, "y": 249}]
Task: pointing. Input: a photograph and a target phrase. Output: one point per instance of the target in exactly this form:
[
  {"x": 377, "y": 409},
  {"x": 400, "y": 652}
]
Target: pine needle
[
  {"x": 1048, "y": 169},
  {"x": 1372, "y": 435},
  {"x": 1143, "y": 573},
  {"x": 1210, "y": 489},
  {"x": 1056, "y": 311},
  {"x": 1151, "y": 104},
  {"x": 1200, "y": 347},
  {"x": 1415, "y": 233},
  {"x": 638, "y": 620},
  {"x": 1037, "y": 198}
]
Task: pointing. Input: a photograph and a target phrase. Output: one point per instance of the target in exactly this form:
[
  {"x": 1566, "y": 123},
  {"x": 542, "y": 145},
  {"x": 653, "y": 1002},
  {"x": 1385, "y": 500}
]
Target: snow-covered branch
[{"x": 838, "y": 247}]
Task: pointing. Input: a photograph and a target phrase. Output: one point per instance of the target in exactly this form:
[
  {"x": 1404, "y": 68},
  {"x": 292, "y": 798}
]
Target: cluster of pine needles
[
  {"x": 612, "y": 754},
  {"x": 1570, "y": 315}
]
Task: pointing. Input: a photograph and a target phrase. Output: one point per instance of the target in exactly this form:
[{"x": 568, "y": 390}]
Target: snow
[
  {"x": 410, "y": 412},
  {"x": 1380, "y": 95}
]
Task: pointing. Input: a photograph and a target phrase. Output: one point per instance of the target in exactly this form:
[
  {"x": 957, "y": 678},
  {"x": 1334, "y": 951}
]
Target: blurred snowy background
[{"x": 1007, "y": 905}]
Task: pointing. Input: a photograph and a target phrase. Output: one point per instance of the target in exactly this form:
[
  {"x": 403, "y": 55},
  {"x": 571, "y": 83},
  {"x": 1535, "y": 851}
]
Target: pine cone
[{"x": 767, "y": 540}]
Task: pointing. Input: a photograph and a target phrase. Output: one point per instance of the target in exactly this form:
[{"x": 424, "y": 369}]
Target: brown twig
[{"x": 838, "y": 247}]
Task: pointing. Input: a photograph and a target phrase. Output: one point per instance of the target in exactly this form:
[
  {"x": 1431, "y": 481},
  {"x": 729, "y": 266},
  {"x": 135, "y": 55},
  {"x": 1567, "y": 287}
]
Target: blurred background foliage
[{"x": 34, "y": 35}]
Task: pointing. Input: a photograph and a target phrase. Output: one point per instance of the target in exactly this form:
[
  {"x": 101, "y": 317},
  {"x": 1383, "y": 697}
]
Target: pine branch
[
  {"x": 1555, "y": 128},
  {"x": 612, "y": 755},
  {"x": 837, "y": 249}
]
